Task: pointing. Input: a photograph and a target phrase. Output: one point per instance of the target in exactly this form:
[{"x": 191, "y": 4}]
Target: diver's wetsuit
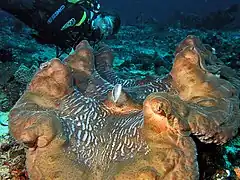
[{"x": 39, "y": 15}]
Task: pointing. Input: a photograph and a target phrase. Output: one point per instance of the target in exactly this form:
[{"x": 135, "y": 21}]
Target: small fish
[{"x": 116, "y": 92}]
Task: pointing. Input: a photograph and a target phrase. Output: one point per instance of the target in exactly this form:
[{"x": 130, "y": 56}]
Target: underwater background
[
  {"x": 163, "y": 10},
  {"x": 144, "y": 46}
]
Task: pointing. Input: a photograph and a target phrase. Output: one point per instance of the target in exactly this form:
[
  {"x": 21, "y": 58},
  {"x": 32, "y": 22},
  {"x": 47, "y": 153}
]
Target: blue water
[{"x": 162, "y": 9}]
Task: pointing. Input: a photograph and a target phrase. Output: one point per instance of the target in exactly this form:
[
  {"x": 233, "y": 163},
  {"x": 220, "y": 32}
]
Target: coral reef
[
  {"x": 77, "y": 124},
  {"x": 150, "y": 52},
  {"x": 5, "y": 55},
  {"x": 24, "y": 74},
  {"x": 12, "y": 159}
]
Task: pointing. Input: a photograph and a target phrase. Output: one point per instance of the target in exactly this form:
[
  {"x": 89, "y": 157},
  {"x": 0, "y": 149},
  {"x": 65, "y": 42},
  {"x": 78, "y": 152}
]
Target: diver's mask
[{"x": 104, "y": 24}]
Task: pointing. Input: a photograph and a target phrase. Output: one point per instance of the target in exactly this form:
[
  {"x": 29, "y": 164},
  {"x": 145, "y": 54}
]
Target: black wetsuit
[{"x": 37, "y": 14}]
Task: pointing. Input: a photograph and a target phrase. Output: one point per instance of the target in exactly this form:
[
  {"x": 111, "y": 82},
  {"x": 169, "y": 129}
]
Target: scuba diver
[{"x": 64, "y": 22}]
